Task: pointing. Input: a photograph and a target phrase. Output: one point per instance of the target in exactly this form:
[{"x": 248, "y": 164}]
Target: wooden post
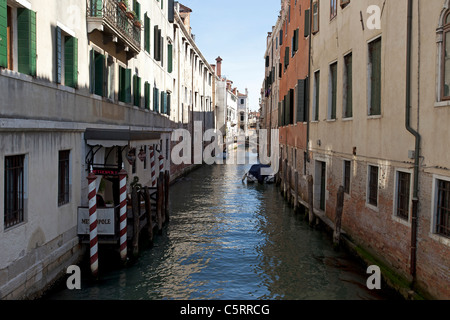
[
  {"x": 166, "y": 194},
  {"x": 338, "y": 218},
  {"x": 135, "y": 207},
  {"x": 296, "y": 191},
  {"x": 159, "y": 203},
  {"x": 148, "y": 209},
  {"x": 311, "y": 199}
]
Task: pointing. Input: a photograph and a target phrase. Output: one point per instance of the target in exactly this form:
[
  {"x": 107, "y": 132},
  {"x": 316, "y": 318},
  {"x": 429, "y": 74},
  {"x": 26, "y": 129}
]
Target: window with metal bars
[
  {"x": 443, "y": 208},
  {"x": 14, "y": 190},
  {"x": 403, "y": 195},
  {"x": 347, "y": 173},
  {"x": 63, "y": 177},
  {"x": 372, "y": 197}
]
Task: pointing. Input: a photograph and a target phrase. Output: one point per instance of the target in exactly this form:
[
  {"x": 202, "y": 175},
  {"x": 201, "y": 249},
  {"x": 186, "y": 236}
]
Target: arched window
[{"x": 445, "y": 64}]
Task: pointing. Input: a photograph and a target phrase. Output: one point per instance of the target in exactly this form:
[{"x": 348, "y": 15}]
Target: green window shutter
[
  {"x": 127, "y": 85},
  {"x": 307, "y": 29},
  {"x": 157, "y": 43},
  {"x": 375, "y": 81},
  {"x": 92, "y": 72},
  {"x": 169, "y": 103},
  {"x": 96, "y": 8},
  {"x": 3, "y": 34},
  {"x": 58, "y": 55},
  {"x": 71, "y": 62},
  {"x": 170, "y": 58},
  {"x": 146, "y": 33},
  {"x": 333, "y": 90},
  {"x": 171, "y": 11},
  {"x": 135, "y": 102},
  {"x": 137, "y": 9},
  {"x": 296, "y": 39},
  {"x": 26, "y": 41},
  {"x": 162, "y": 4},
  {"x": 163, "y": 102},
  {"x": 137, "y": 90},
  {"x": 348, "y": 86},
  {"x": 99, "y": 65},
  {"x": 147, "y": 95},
  {"x": 286, "y": 57},
  {"x": 156, "y": 99},
  {"x": 301, "y": 86}
]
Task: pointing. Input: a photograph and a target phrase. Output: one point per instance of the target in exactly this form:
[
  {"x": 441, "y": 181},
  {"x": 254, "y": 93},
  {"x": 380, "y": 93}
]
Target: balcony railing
[{"x": 107, "y": 13}]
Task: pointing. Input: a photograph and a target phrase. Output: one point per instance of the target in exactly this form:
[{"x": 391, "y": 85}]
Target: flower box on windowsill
[{"x": 123, "y": 6}]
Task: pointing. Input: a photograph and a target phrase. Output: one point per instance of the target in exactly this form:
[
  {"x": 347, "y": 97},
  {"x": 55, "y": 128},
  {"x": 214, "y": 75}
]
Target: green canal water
[{"x": 227, "y": 240}]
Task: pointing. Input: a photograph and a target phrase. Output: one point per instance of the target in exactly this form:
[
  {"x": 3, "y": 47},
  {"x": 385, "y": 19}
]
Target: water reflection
[{"x": 227, "y": 240}]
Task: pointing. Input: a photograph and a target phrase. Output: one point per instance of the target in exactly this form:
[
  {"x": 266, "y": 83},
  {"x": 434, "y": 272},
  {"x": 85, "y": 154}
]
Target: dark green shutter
[
  {"x": 3, "y": 34},
  {"x": 137, "y": 90},
  {"x": 296, "y": 39},
  {"x": 170, "y": 58},
  {"x": 127, "y": 85},
  {"x": 96, "y": 8},
  {"x": 71, "y": 62},
  {"x": 147, "y": 95},
  {"x": 156, "y": 43},
  {"x": 169, "y": 102},
  {"x": 333, "y": 90},
  {"x": 156, "y": 99},
  {"x": 137, "y": 9},
  {"x": 301, "y": 86},
  {"x": 375, "y": 59},
  {"x": 286, "y": 57},
  {"x": 146, "y": 33},
  {"x": 58, "y": 55},
  {"x": 162, "y": 4},
  {"x": 349, "y": 86},
  {"x": 26, "y": 41},
  {"x": 171, "y": 11},
  {"x": 163, "y": 102},
  {"x": 307, "y": 23},
  {"x": 317, "y": 93},
  {"x": 99, "y": 62}
]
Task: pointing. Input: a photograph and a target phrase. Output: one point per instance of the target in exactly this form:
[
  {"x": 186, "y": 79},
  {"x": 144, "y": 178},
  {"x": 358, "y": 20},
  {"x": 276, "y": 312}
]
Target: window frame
[
  {"x": 332, "y": 88},
  {"x": 435, "y": 195},
  {"x": 333, "y": 10},
  {"x": 370, "y": 187},
  {"x": 64, "y": 181},
  {"x": 315, "y": 28},
  {"x": 445, "y": 30},
  {"x": 19, "y": 209},
  {"x": 370, "y": 69},
  {"x": 347, "y": 180},
  {"x": 347, "y": 102},
  {"x": 396, "y": 216}
]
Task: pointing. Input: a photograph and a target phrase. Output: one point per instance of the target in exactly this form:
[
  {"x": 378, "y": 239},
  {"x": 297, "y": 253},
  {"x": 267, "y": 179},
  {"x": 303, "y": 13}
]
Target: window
[
  {"x": 372, "y": 194},
  {"x": 295, "y": 42},
  {"x": 347, "y": 176},
  {"x": 124, "y": 85},
  {"x": 146, "y": 33},
  {"x": 66, "y": 59},
  {"x": 169, "y": 58},
  {"x": 443, "y": 208},
  {"x": 445, "y": 65},
  {"x": 97, "y": 72},
  {"x": 332, "y": 92},
  {"x": 14, "y": 190},
  {"x": 402, "y": 198},
  {"x": 348, "y": 86},
  {"x": 137, "y": 90},
  {"x": 147, "y": 95},
  {"x": 63, "y": 178},
  {"x": 316, "y": 97},
  {"x": 315, "y": 22},
  {"x": 374, "y": 77},
  {"x": 6, "y": 36},
  {"x": 155, "y": 99},
  {"x": 333, "y": 8}
]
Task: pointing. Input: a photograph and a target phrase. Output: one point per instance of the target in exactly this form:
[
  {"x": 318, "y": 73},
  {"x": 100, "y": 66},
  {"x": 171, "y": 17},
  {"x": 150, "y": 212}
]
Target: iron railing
[{"x": 115, "y": 17}]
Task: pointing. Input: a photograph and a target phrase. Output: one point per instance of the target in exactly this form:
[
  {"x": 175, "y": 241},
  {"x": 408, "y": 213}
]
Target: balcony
[{"x": 110, "y": 19}]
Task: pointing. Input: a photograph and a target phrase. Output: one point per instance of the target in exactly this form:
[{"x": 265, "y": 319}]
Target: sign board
[
  {"x": 105, "y": 172},
  {"x": 106, "y": 221}
]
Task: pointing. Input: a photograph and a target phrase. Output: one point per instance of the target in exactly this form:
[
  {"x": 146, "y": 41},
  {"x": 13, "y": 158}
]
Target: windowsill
[
  {"x": 401, "y": 221},
  {"x": 440, "y": 239},
  {"x": 15, "y": 226},
  {"x": 331, "y": 120},
  {"x": 347, "y": 119},
  {"x": 378, "y": 116},
  {"x": 372, "y": 207},
  {"x": 439, "y": 104},
  {"x": 315, "y": 121}
]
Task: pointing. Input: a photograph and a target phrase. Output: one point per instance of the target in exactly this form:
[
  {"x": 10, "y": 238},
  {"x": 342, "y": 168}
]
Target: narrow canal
[{"x": 227, "y": 240}]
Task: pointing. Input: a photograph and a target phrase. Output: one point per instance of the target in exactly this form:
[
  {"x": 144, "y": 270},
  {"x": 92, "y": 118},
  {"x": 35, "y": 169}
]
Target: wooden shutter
[
  {"x": 317, "y": 94},
  {"x": 163, "y": 102},
  {"x": 26, "y": 41},
  {"x": 349, "y": 86},
  {"x": 301, "y": 86},
  {"x": 146, "y": 33},
  {"x": 169, "y": 103},
  {"x": 295, "y": 42},
  {"x": 170, "y": 58},
  {"x": 71, "y": 62},
  {"x": 307, "y": 29},
  {"x": 157, "y": 43},
  {"x": 127, "y": 85},
  {"x": 171, "y": 11},
  {"x": 58, "y": 48},
  {"x": 333, "y": 90},
  {"x": 3, "y": 34},
  {"x": 99, "y": 71},
  {"x": 147, "y": 95},
  {"x": 375, "y": 58}
]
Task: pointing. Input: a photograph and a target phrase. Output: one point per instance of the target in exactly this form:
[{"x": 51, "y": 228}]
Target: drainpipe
[
  {"x": 308, "y": 118},
  {"x": 417, "y": 146}
]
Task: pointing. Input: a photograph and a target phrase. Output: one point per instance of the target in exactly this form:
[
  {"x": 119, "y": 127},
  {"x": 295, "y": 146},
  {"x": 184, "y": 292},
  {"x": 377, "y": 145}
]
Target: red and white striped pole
[
  {"x": 123, "y": 215},
  {"x": 161, "y": 163},
  {"x": 93, "y": 223},
  {"x": 152, "y": 163}
]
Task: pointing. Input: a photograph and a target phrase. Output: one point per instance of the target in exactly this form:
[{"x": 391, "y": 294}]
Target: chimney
[
  {"x": 213, "y": 66},
  {"x": 219, "y": 67}
]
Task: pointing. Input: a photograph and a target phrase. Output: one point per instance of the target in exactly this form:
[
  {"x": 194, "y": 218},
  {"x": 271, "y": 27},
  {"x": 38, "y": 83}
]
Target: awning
[{"x": 109, "y": 138}]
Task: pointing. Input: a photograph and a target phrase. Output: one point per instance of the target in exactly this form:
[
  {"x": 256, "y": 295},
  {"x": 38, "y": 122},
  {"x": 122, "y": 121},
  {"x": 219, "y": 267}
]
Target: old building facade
[
  {"x": 86, "y": 86},
  {"x": 377, "y": 112}
]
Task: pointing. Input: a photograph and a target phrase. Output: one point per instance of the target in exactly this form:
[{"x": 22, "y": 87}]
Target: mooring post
[
  {"x": 93, "y": 224},
  {"x": 338, "y": 218},
  {"x": 166, "y": 194},
  {"x": 135, "y": 203},
  {"x": 123, "y": 216},
  {"x": 148, "y": 211},
  {"x": 159, "y": 203},
  {"x": 311, "y": 199},
  {"x": 296, "y": 191}
]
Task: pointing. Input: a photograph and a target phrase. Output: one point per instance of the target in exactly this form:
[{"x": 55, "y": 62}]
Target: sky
[{"x": 237, "y": 32}]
